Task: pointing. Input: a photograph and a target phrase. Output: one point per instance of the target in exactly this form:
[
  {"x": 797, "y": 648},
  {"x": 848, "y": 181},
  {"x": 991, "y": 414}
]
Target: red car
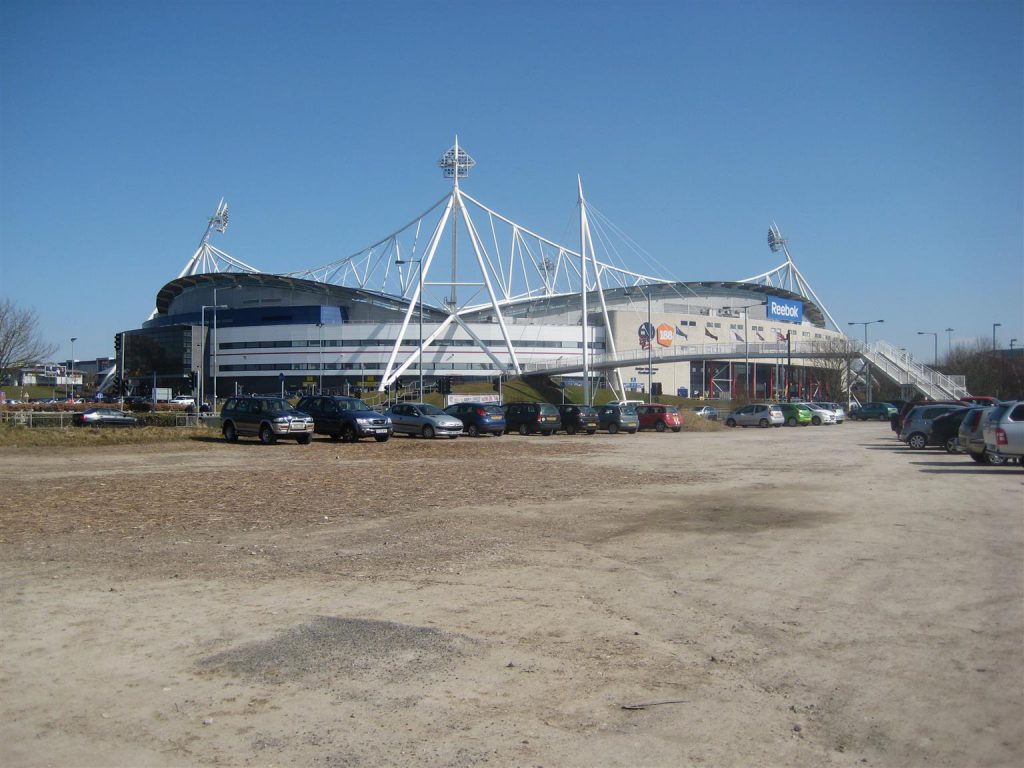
[{"x": 659, "y": 417}]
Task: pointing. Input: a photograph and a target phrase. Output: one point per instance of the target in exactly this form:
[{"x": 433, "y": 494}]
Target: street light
[
  {"x": 867, "y": 363},
  {"x": 994, "y": 326},
  {"x": 202, "y": 351},
  {"x": 320, "y": 336},
  {"x": 1012, "y": 342},
  {"x": 935, "y": 338},
  {"x": 949, "y": 343},
  {"x": 746, "y": 343},
  {"x": 73, "y": 340},
  {"x": 419, "y": 296}
]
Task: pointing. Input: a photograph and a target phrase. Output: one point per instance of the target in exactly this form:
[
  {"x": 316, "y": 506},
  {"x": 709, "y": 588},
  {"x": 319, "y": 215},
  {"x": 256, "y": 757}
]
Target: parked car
[
  {"x": 985, "y": 400},
  {"x": 346, "y": 418},
  {"x": 837, "y": 410},
  {"x": 103, "y": 417},
  {"x": 184, "y": 400},
  {"x": 707, "y": 412},
  {"x": 879, "y": 411},
  {"x": 756, "y": 415},
  {"x": 527, "y": 418},
  {"x": 479, "y": 418},
  {"x": 820, "y": 414},
  {"x": 578, "y": 418},
  {"x": 919, "y": 419},
  {"x": 795, "y": 414},
  {"x": 423, "y": 419},
  {"x": 1004, "y": 431},
  {"x": 659, "y": 417},
  {"x": 618, "y": 418},
  {"x": 972, "y": 437},
  {"x": 265, "y": 417},
  {"x": 897, "y": 423},
  {"x": 945, "y": 430}
]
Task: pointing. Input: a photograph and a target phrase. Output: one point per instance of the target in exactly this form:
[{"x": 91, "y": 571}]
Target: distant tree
[
  {"x": 987, "y": 371},
  {"x": 20, "y": 341},
  {"x": 837, "y": 354}
]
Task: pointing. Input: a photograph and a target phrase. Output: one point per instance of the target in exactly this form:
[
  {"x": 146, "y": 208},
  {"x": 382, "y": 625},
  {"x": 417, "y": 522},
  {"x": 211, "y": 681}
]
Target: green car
[{"x": 796, "y": 414}]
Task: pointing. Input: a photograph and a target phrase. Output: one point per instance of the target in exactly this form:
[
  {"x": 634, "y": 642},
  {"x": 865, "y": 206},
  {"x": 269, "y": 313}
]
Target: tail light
[
  {"x": 481, "y": 412},
  {"x": 1000, "y": 436}
]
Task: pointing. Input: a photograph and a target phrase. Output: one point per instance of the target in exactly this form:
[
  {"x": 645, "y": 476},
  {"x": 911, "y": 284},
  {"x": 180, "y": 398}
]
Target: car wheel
[
  {"x": 791, "y": 421},
  {"x": 816, "y": 421},
  {"x": 428, "y": 431},
  {"x": 304, "y": 439},
  {"x": 523, "y": 430},
  {"x": 474, "y": 430},
  {"x": 613, "y": 428},
  {"x": 267, "y": 436},
  {"x": 230, "y": 433},
  {"x": 348, "y": 434},
  {"x": 660, "y": 426},
  {"x": 762, "y": 423},
  {"x": 730, "y": 422},
  {"x": 381, "y": 438},
  {"x": 917, "y": 441},
  {"x": 951, "y": 445},
  {"x": 994, "y": 459}
]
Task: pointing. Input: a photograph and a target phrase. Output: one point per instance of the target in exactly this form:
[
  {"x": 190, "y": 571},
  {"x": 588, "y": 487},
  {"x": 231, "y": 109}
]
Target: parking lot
[{"x": 796, "y": 596}]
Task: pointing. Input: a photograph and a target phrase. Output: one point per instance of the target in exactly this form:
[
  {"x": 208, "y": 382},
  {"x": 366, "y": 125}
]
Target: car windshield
[
  {"x": 586, "y": 410},
  {"x": 430, "y": 410},
  {"x": 628, "y": 410},
  {"x": 493, "y": 410},
  {"x": 548, "y": 409},
  {"x": 353, "y": 404},
  {"x": 671, "y": 409},
  {"x": 276, "y": 404}
]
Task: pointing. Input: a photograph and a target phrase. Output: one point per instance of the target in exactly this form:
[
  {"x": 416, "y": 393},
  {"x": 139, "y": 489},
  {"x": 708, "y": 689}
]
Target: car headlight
[
  {"x": 364, "y": 422},
  {"x": 282, "y": 419}
]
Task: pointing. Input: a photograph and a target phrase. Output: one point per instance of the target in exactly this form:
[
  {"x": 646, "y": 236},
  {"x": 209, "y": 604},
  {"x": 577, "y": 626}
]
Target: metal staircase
[{"x": 899, "y": 366}]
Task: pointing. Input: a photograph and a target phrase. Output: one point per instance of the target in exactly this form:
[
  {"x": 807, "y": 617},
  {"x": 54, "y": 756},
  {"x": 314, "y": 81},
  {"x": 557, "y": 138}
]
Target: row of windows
[
  {"x": 328, "y": 343},
  {"x": 349, "y": 367}
]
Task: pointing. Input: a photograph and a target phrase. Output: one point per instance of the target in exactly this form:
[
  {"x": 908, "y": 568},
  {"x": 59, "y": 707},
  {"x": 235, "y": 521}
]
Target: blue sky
[{"x": 884, "y": 138}]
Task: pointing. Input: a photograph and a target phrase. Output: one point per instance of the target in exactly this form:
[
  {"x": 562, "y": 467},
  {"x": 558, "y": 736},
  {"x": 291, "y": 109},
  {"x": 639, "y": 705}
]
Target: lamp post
[
  {"x": 867, "y": 364},
  {"x": 320, "y": 338},
  {"x": 71, "y": 373},
  {"x": 1012, "y": 343},
  {"x": 935, "y": 338},
  {"x": 949, "y": 343},
  {"x": 650, "y": 347},
  {"x": 746, "y": 343},
  {"x": 994, "y": 326},
  {"x": 419, "y": 296},
  {"x": 202, "y": 353}
]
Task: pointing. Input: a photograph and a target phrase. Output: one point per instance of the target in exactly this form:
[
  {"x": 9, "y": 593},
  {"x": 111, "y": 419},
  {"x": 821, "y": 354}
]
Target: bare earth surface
[{"x": 814, "y": 597}]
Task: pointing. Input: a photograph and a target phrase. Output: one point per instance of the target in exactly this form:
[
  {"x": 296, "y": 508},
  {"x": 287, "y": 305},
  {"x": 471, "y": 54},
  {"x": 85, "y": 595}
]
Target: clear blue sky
[{"x": 885, "y": 138}]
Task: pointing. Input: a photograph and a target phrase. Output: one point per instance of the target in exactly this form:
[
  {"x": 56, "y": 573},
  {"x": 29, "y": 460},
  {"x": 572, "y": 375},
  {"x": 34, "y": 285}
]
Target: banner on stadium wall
[{"x": 786, "y": 310}]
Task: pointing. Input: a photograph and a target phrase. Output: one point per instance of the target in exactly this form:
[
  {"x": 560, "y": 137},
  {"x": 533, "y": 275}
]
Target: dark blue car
[{"x": 479, "y": 418}]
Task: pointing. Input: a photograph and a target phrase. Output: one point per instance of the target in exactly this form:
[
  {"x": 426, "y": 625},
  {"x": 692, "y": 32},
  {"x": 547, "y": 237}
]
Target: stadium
[{"x": 462, "y": 294}]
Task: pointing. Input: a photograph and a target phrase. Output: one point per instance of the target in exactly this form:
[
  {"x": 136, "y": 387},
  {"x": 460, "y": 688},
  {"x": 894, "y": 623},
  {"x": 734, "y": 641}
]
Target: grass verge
[{"x": 77, "y": 437}]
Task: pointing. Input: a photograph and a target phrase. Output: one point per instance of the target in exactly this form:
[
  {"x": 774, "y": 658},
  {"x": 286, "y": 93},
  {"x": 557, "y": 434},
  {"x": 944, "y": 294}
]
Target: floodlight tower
[{"x": 455, "y": 164}]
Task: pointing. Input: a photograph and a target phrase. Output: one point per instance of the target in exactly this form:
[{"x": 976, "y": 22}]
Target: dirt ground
[{"x": 817, "y": 596}]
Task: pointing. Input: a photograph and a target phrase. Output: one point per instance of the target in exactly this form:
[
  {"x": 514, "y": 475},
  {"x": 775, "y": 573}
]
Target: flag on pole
[
  {"x": 681, "y": 332},
  {"x": 737, "y": 335},
  {"x": 781, "y": 337},
  {"x": 759, "y": 336},
  {"x": 710, "y": 335}
]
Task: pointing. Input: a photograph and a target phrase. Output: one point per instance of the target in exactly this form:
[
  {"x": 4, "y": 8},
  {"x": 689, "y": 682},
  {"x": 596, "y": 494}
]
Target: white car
[
  {"x": 820, "y": 414},
  {"x": 185, "y": 400}
]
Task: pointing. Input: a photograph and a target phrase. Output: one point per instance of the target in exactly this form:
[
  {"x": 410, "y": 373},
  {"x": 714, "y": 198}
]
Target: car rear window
[
  {"x": 493, "y": 410},
  {"x": 1017, "y": 414},
  {"x": 548, "y": 410}
]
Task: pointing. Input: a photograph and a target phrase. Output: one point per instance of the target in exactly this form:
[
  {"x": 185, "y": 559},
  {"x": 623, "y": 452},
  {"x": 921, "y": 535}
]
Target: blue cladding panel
[{"x": 785, "y": 310}]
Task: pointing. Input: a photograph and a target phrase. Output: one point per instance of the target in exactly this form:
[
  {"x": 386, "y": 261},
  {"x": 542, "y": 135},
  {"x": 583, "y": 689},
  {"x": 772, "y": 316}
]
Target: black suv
[
  {"x": 526, "y": 418},
  {"x": 578, "y": 418},
  {"x": 346, "y": 418},
  {"x": 265, "y": 417}
]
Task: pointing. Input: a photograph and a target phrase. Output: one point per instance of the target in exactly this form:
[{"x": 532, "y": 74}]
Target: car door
[{"x": 406, "y": 423}]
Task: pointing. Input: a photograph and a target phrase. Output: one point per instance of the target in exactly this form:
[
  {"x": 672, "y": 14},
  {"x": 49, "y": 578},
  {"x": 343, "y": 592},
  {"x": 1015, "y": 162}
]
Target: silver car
[
  {"x": 1004, "y": 431},
  {"x": 706, "y": 412},
  {"x": 837, "y": 409},
  {"x": 423, "y": 419},
  {"x": 756, "y": 415}
]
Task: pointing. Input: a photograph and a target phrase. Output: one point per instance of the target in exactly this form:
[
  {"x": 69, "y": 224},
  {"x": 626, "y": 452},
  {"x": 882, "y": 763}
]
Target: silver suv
[
  {"x": 267, "y": 418},
  {"x": 919, "y": 419},
  {"x": 756, "y": 415},
  {"x": 1004, "y": 431}
]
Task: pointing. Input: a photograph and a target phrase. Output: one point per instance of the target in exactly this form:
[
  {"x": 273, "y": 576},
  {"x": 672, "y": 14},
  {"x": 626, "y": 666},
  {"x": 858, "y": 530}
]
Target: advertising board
[{"x": 786, "y": 310}]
